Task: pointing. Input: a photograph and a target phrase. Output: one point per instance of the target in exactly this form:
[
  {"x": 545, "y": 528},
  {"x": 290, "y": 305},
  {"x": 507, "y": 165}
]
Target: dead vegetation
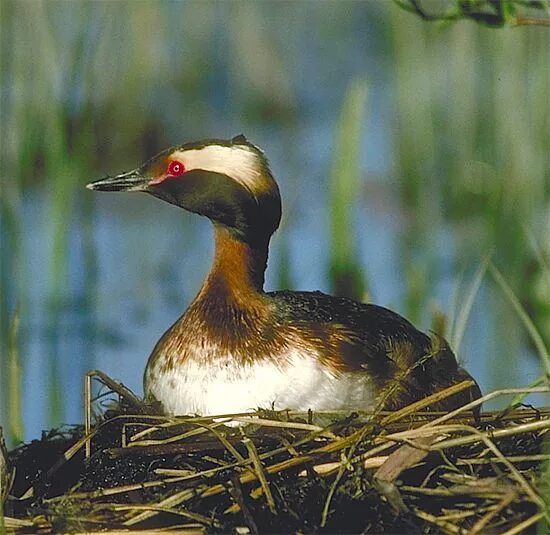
[{"x": 410, "y": 471}]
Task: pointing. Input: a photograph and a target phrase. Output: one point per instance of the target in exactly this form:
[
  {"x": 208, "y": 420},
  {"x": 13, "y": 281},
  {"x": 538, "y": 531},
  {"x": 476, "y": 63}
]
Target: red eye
[{"x": 175, "y": 168}]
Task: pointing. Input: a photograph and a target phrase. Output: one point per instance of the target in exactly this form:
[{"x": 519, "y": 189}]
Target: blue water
[
  {"x": 151, "y": 258},
  {"x": 135, "y": 263}
]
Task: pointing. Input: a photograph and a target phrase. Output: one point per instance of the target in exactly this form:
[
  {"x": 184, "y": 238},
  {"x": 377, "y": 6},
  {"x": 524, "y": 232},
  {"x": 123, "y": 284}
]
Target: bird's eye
[{"x": 175, "y": 168}]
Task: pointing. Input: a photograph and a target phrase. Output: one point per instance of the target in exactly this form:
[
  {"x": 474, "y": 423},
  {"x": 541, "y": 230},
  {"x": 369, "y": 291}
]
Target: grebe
[{"x": 238, "y": 348}]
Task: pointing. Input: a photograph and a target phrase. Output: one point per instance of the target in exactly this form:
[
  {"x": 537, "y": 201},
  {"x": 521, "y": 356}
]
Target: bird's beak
[{"x": 130, "y": 181}]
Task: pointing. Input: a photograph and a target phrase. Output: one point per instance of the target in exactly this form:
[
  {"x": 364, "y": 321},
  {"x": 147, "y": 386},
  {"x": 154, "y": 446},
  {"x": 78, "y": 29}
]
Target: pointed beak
[{"x": 130, "y": 181}]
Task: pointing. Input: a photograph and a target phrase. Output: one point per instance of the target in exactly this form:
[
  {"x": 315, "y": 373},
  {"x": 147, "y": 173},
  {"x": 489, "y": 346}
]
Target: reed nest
[{"x": 407, "y": 471}]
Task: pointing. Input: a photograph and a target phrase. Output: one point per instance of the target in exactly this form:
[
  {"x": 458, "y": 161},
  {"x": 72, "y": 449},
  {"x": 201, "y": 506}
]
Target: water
[
  {"x": 106, "y": 92},
  {"x": 151, "y": 258}
]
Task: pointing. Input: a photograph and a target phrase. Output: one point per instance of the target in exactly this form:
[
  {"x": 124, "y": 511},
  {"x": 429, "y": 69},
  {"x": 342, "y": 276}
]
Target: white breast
[{"x": 225, "y": 387}]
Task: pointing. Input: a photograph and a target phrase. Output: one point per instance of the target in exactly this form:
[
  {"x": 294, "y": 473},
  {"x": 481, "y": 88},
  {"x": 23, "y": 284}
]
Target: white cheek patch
[{"x": 238, "y": 162}]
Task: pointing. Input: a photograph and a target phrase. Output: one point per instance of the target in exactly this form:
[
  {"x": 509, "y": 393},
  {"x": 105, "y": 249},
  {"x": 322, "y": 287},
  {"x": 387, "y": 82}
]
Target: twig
[
  {"x": 236, "y": 491},
  {"x": 530, "y": 21},
  {"x": 260, "y": 474},
  {"x": 519, "y": 528},
  {"x": 506, "y": 500}
]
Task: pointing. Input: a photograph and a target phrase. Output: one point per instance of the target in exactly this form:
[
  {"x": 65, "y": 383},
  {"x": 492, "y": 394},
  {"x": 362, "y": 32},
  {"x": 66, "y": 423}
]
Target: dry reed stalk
[{"x": 235, "y": 467}]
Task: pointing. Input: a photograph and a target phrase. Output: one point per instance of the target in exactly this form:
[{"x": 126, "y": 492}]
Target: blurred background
[{"x": 413, "y": 159}]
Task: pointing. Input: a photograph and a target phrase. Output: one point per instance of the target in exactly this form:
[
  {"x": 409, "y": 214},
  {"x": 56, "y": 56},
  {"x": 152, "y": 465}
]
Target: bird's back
[{"x": 405, "y": 363}]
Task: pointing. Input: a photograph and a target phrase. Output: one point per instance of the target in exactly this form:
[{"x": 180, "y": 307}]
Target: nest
[{"x": 409, "y": 470}]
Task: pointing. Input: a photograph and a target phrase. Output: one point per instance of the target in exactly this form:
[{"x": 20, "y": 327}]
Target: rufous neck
[{"x": 238, "y": 267}]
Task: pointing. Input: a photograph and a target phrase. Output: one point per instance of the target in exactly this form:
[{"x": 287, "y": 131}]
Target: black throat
[{"x": 252, "y": 218}]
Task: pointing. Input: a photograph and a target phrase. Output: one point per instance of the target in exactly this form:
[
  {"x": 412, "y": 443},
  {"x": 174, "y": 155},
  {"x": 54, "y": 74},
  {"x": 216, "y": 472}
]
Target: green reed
[
  {"x": 472, "y": 155},
  {"x": 345, "y": 272},
  {"x": 16, "y": 430}
]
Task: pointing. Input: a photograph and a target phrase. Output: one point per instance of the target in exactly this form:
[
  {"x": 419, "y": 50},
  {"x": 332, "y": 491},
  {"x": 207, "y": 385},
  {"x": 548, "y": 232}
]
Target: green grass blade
[
  {"x": 15, "y": 414},
  {"x": 517, "y": 399},
  {"x": 537, "y": 251},
  {"x": 464, "y": 314},
  {"x": 524, "y": 317},
  {"x": 345, "y": 273}
]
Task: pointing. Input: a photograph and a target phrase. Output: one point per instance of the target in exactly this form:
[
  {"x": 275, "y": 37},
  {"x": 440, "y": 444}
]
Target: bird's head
[{"x": 228, "y": 181}]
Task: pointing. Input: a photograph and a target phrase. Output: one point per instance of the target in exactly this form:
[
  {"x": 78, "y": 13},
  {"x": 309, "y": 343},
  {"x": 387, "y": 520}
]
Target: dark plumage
[{"x": 380, "y": 342}]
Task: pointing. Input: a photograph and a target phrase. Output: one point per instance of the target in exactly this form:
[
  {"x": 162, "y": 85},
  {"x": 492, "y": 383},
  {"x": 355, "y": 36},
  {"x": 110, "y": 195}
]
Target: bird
[{"x": 238, "y": 348}]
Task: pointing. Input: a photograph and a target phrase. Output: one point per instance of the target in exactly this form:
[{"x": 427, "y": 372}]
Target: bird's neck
[{"x": 237, "y": 273}]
